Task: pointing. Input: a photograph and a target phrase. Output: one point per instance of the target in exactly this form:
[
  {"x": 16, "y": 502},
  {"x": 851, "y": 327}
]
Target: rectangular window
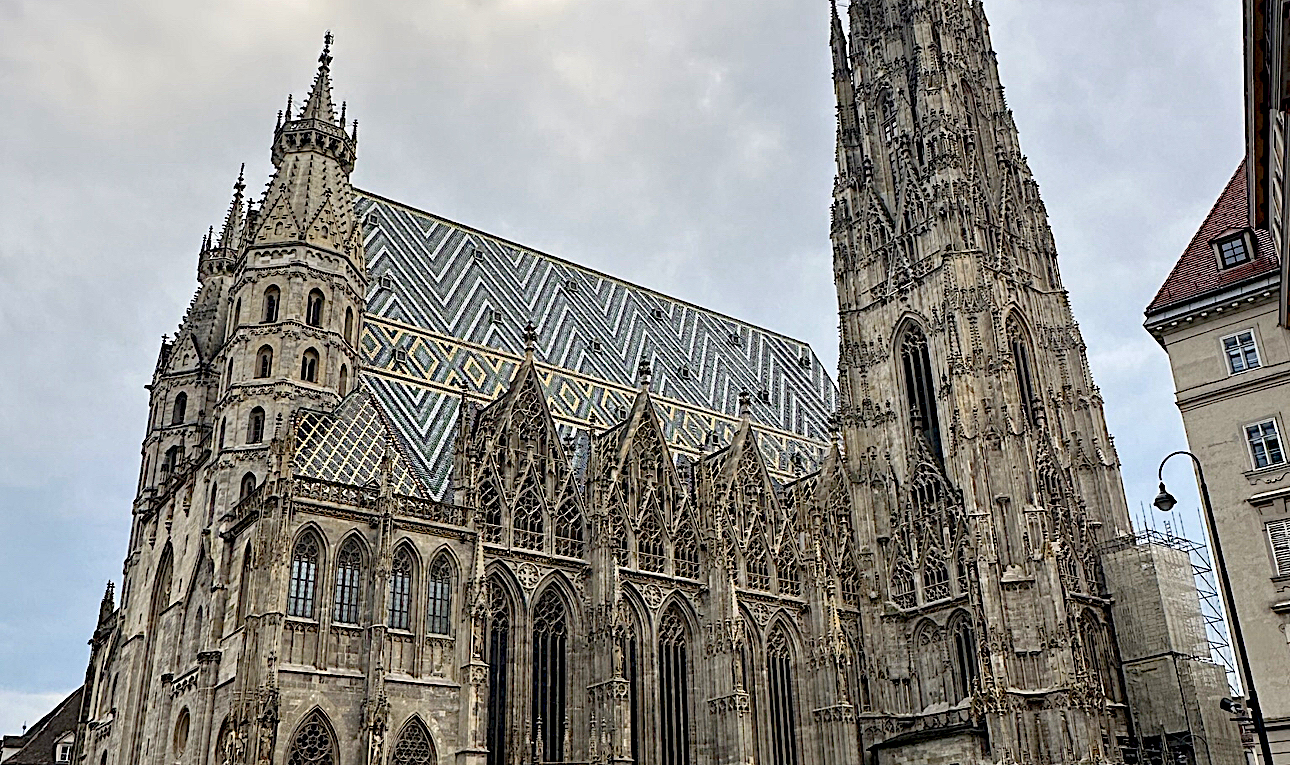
[
  {"x": 1279, "y": 539},
  {"x": 1232, "y": 252},
  {"x": 1265, "y": 444},
  {"x": 1242, "y": 352}
]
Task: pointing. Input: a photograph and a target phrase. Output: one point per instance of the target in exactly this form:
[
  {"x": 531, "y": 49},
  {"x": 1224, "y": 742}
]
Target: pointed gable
[{"x": 348, "y": 445}]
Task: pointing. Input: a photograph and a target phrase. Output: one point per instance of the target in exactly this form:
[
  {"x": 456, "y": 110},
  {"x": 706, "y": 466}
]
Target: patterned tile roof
[
  {"x": 1196, "y": 272},
  {"x": 448, "y": 304},
  {"x": 338, "y": 446}
]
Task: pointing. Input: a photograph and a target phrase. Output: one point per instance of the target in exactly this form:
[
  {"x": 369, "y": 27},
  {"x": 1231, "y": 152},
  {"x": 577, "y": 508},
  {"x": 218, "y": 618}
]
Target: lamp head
[{"x": 1164, "y": 501}]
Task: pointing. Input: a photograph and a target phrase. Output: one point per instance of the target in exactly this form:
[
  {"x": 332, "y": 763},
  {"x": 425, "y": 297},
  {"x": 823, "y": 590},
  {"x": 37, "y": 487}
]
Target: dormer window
[{"x": 1232, "y": 251}]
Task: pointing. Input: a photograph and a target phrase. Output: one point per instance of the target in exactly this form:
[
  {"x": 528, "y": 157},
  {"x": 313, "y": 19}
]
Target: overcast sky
[{"x": 686, "y": 145}]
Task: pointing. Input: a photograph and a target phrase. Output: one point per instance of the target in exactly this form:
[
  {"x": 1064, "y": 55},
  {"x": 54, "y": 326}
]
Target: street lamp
[{"x": 1165, "y": 502}]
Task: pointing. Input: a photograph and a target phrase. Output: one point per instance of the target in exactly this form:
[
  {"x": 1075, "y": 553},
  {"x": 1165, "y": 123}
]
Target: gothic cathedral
[{"x": 411, "y": 493}]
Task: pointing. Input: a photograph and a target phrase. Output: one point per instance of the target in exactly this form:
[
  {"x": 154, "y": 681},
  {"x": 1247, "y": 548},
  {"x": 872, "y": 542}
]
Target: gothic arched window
[
  {"x": 223, "y": 431},
  {"x": 618, "y": 534},
  {"x": 568, "y": 529},
  {"x": 936, "y": 576},
  {"x": 550, "y": 681},
  {"x": 686, "y": 552},
  {"x": 849, "y": 581},
  {"x": 788, "y": 572},
  {"x": 674, "y": 688},
  {"x": 630, "y": 647},
  {"x": 920, "y": 389},
  {"x": 255, "y": 426},
  {"x": 1020, "y": 345},
  {"x": 349, "y": 577},
  {"x": 180, "y": 409},
  {"x": 499, "y": 654},
  {"x": 309, "y": 366},
  {"x": 650, "y": 553},
  {"x": 755, "y": 565},
  {"x": 304, "y": 577},
  {"x": 902, "y": 584},
  {"x": 1099, "y": 654},
  {"x": 264, "y": 362},
  {"x": 490, "y": 512},
  {"x": 237, "y": 313},
  {"x": 248, "y": 485},
  {"x": 272, "y": 297},
  {"x": 783, "y": 699},
  {"x": 343, "y": 388},
  {"x": 439, "y": 586},
  {"x": 528, "y": 520},
  {"x": 413, "y": 746},
  {"x": 349, "y": 325},
  {"x": 748, "y": 681},
  {"x": 313, "y": 743},
  {"x": 314, "y": 308},
  {"x": 963, "y": 665},
  {"x": 400, "y": 606}
]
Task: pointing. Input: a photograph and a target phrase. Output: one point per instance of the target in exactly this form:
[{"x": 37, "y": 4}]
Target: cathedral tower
[{"x": 980, "y": 466}]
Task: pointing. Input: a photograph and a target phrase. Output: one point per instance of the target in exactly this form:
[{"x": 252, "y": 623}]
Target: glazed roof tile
[{"x": 1197, "y": 272}]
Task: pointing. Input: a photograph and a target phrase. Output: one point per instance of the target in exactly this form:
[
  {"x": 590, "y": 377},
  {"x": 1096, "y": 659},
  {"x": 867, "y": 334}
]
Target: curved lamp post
[{"x": 1165, "y": 502}]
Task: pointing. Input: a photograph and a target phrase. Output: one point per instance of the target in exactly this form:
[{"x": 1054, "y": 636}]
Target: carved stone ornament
[{"x": 529, "y": 575}]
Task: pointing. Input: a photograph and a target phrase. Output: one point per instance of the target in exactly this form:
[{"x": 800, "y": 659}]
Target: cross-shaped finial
[{"x": 325, "y": 58}]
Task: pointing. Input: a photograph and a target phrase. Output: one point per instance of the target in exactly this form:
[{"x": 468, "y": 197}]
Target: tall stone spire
[
  {"x": 953, "y": 322},
  {"x": 318, "y": 106}
]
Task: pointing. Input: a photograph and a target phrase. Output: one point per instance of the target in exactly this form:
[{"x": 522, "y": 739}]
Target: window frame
[
  {"x": 1280, "y": 443},
  {"x": 1227, "y": 356},
  {"x": 1283, "y": 527},
  {"x": 1246, "y": 244}
]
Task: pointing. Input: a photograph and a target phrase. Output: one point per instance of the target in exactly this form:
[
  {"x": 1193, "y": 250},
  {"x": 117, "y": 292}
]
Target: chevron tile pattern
[{"x": 448, "y": 305}]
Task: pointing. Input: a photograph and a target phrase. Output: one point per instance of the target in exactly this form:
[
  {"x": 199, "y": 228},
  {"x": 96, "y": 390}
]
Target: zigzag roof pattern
[{"x": 447, "y": 304}]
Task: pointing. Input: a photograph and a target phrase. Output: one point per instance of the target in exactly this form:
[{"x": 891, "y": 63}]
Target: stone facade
[{"x": 315, "y": 577}]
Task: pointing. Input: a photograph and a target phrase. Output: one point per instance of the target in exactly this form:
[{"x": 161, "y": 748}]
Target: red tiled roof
[{"x": 1197, "y": 272}]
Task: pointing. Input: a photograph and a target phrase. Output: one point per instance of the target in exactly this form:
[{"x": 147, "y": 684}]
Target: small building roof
[
  {"x": 40, "y": 739},
  {"x": 1197, "y": 272}
]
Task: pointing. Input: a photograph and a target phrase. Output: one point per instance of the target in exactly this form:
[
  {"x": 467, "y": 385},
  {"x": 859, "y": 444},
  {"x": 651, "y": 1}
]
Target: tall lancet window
[
  {"x": 304, "y": 577},
  {"x": 401, "y": 591},
  {"x": 963, "y": 665},
  {"x": 272, "y": 296},
  {"x": 314, "y": 308},
  {"x": 783, "y": 699},
  {"x": 550, "y": 670},
  {"x": 439, "y": 585},
  {"x": 674, "y": 688},
  {"x": 630, "y": 647},
  {"x": 920, "y": 389},
  {"x": 1019, "y": 343},
  {"x": 349, "y": 573},
  {"x": 499, "y": 655}
]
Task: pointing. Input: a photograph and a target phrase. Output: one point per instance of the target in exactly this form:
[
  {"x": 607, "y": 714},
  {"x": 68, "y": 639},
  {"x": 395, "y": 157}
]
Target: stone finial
[
  {"x": 530, "y": 340},
  {"x": 745, "y": 403},
  {"x": 644, "y": 374}
]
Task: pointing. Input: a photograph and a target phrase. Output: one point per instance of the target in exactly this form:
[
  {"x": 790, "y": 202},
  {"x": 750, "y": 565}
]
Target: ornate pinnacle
[
  {"x": 325, "y": 57},
  {"x": 530, "y": 339},
  {"x": 644, "y": 374},
  {"x": 745, "y": 403}
]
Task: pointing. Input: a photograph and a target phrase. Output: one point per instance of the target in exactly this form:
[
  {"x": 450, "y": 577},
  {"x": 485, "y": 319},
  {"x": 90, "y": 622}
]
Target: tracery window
[
  {"x": 783, "y": 699},
  {"x": 618, "y": 530},
  {"x": 490, "y": 510},
  {"x": 674, "y": 688},
  {"x": 568, "y": 529},
  {"x": 650, "y": 553},
  {"x": 400, "y": 610},
  {"x": 255, "y": 426},
  {"x": 630, "y": 647},
  {"x": 349, "y": 575},
  {"x": 1020, "y": 345},
  {"x": 304, "y": 575},
  {"x": 309, "y": 366},
  {"x": 314, "y": 308},
  {"x": 413, "y": 746},
  {"x": 180, "y": 409},
  {"x": 264, "y": 362},
  {"x": 439, "y": 585},
  {"x": 1099, "y": 654},
  {"x": 499, "y": 649},
  {"x": 528, "y": 520},
  {"x": 849, "y": 581},
  {"x": 748, "y": 679},
  {"x": 550, "y": 681},
  {"x": 964, "y": 667},
  {"x": 313, "y": 743},
  {"x": 788, "y": 572},
  {"x": 755, "y": 565},
  {"x": 272, "y": 296},
  {"x": 936, "y": 576},
  {"x": 902, "y": 584},
  {"x": 920, "y": 389},
  {"x": 686, "y": 552}
]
